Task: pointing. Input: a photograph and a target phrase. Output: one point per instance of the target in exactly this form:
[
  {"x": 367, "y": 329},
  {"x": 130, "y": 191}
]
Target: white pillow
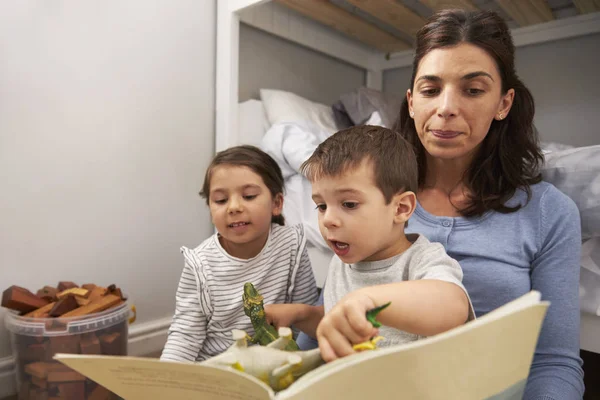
[
  {"x": 576, "y": 172},
  {"x": 282, "y": 106},
  {"x": 549, "y": 147}
]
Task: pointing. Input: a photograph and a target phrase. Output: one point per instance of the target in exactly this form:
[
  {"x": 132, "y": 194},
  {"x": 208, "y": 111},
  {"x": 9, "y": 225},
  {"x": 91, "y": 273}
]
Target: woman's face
[{"x": 456, "y": 95}]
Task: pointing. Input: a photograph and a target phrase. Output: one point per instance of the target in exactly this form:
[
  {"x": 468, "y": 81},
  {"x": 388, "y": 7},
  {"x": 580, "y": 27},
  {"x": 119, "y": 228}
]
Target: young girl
[{"x": 243, "y": 188}]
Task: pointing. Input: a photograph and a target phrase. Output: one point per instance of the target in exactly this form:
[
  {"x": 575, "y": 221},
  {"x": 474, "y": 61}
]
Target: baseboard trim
[
  {"x": 144, "y": 338},
  {"x": 148, "y": 337}
]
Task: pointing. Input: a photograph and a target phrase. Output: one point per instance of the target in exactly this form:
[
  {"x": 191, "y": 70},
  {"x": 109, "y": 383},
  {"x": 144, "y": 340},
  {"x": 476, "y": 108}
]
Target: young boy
[{"x": 364, "y": 181}]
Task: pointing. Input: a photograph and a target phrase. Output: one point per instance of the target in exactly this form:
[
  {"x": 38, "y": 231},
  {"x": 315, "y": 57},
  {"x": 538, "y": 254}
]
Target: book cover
[{"x": 488, "y": 358}]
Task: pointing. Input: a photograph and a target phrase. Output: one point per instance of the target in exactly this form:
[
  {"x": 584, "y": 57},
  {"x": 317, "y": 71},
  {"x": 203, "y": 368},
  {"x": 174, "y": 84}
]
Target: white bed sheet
[{"x": 298, "y": 208}]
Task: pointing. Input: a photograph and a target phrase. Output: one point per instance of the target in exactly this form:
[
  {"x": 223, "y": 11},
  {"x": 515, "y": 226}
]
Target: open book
[{"x": 488, "y": 358}]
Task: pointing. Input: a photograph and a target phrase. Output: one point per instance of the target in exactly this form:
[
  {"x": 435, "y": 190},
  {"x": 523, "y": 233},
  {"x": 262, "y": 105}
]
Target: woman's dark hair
[
  {"x": 255, "y": 159},
  {"x": 509, "y": 157}
]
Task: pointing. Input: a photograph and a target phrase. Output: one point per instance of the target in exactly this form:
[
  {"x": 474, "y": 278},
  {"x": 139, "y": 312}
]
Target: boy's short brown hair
[{"x": 392, "y": 157}]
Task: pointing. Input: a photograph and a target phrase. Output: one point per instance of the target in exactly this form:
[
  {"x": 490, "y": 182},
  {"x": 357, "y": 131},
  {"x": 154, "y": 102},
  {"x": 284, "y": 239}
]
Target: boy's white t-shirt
[{"x": 422, "y": 260}]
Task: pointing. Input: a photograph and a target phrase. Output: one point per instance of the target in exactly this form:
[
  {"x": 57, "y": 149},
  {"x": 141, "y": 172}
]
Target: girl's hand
[
  {"x": 345, "y": 325},
  {"x": 284, "y": 315},
  {"x": 302, "y": 316}
]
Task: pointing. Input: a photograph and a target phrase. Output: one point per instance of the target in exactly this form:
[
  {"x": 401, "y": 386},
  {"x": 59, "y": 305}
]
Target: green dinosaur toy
[
  {"x": 372, "y": 343},
  {"x": 254, "y": 308},
  {"x": 372, "y": 313}
]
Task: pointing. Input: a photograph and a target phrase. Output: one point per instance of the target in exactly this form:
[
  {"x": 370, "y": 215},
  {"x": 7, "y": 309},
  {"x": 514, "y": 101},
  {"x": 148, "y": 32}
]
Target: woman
[{"x": 481, "y": 196}]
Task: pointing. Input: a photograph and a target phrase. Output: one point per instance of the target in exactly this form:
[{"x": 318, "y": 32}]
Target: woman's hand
[{"x": 345, "y": 325}]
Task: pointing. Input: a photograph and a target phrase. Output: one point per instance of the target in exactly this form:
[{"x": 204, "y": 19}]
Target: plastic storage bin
[{"x": 36, "y": 340}]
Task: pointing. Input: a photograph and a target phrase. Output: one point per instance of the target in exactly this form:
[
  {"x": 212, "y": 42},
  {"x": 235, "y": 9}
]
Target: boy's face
[{"x": 354, "y": 218}]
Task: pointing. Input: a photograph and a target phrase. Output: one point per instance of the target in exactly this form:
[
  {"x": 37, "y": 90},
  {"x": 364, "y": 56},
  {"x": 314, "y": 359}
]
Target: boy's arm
[
  {"x": 424, "y": 307},
  {"x": 440, "y": 276},
  {"x": 432, "y": 301}
]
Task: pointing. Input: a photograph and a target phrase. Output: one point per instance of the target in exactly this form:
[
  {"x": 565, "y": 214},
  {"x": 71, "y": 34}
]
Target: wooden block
[
  {"x": 72, "y": 391},
  {"x": 82, "y": 301},
  {"x": 39, "y": 382},
  {"x": 36, "y": 393},
  {"x": 117, "y": 292},
  {"x": 35, "y": 352},
  {"x": 81, "y": 292},
  {"x": 113, "y": 289},
  {"x": 29, "y": 349},
  {"x": 65, "y": 344},
  {"x": 42, "y": 369},
  {"x": 111, "y": 343},
  {"x": 21, "y": 299},
  {"x": 63, "y": 306},
  {"x": 53, "y": 390},
  {"x": 48, "y": 292},
  {"x": 117, "y": 304},
  {"x": 90, "y": 344},
  {"x": 55, "y": 324},
  {"x": 27, "y": 340},
  {"x": 97, "y": 292},
  {"x": 64, "y": 285},
  {"x": 100, "y": 393},
  {"x": 65, "y": 376},
  {"x": 40, "y": 311},
  {"x": 88, "y": 286},
  {"x": 95, "y": 306}
]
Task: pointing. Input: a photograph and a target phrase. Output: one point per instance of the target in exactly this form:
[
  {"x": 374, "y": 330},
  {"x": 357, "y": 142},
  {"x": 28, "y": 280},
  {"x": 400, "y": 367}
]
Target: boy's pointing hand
[{"x": 345, "y": 325}]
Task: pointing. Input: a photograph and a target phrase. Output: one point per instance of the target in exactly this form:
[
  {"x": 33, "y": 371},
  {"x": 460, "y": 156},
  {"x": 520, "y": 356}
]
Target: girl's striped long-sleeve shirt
[{"x": 209, "y": 297}]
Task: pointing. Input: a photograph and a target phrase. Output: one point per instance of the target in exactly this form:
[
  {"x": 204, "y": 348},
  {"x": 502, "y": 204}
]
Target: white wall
[
  {"x": 106, "y": 128},
  {"x": 268, "y": 61},
  {"x": 563, "y": 77},
  {"x": 397, "y": 81}
]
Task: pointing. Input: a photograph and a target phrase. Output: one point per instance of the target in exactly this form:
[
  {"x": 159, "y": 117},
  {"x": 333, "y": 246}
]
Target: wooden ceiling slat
[
  {"x": 527, "y": 12},
  {"x": 392, "y": 13},
  {"x": 337, "y": 18},
  {"x": 437, "y": 5},
  {"x": 587, "y": 6}
]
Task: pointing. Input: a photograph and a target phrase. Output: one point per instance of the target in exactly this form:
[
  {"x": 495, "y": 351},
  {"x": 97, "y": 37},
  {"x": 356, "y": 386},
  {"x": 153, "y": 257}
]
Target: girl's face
[
  {"x": 457, "y": 94},
  {"x": 241, "y": 207}
]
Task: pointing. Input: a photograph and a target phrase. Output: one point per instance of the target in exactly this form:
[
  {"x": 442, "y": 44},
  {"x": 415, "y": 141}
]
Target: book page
[
  {"x": 486, "y": 359},
  {"x": 146, "y": 378}
]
